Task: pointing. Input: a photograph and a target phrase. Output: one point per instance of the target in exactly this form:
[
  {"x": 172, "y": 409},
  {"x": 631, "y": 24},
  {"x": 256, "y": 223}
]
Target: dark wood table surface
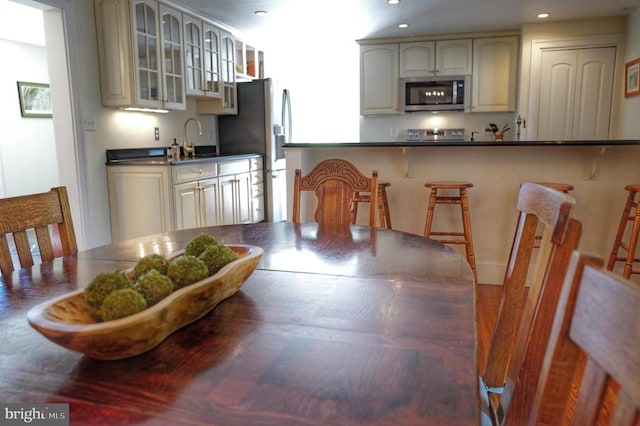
[{"x": 335, "y": 327}]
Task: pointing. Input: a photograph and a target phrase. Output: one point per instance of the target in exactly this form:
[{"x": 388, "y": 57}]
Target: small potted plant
[{"x": 498, "y": 134}]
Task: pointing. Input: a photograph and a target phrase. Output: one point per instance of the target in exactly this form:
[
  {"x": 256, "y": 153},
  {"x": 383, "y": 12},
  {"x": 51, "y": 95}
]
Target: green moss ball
[
  {"x": 184, "y": 270},
  {"x": 103, "y": 284},
  {"x": 154, "y": 286},
  {"x": 149, "y": 262},
  {"x": 199, "y": 244},
  {"x": 215, "y": 257},
  {"x": 122, "y": 303}
]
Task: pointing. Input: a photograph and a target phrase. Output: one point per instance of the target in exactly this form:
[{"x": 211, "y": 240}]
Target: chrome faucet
[{"x": 187, "y": 148}]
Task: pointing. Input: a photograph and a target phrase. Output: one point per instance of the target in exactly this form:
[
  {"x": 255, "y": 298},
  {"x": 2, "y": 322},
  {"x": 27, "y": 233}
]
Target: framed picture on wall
[
  {"x": 631, "y": 78},
  {"x": 35, "y": 100}
]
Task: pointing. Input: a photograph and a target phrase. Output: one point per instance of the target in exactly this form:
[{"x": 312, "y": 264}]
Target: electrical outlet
[
  {"x": 89, "y": 124},
  {"x": 156, "y": 133}
]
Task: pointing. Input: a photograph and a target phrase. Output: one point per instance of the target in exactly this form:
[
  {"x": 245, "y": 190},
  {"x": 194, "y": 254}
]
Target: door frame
[{"x": 537, "y": 49}]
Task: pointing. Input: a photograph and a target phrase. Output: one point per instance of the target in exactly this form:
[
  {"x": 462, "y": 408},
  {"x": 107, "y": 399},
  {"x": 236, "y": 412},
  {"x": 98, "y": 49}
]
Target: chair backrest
[
  {"x": 334, "y": 181},
  {"x": 523, "y": 324},
  {"x": 48, "y": 216},
  {"x": 597, "y": 317}
]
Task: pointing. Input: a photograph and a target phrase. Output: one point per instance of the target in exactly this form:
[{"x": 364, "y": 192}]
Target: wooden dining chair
[
  {"x": 523, "y": 323},
  {"x": 593, "y": 322},
  {"x": 48, "y": 216},
  {"x": 334, "y": 182}
]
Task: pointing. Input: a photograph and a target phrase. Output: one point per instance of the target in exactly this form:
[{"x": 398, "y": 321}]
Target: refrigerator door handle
[{"x": 286, "y": 114}]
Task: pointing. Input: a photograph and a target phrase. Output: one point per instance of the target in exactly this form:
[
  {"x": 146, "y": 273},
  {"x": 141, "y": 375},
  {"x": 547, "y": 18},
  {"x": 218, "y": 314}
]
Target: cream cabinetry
[
  {"x": 495, "y": 66},
  {"x": 202, "y": 58},
  {"x": 140, "y": 52},
  {"x": 196, "y": 195},
  {"x": 430, "y": 58},
  {"x": 140, "y": 200},
  {"x": 148, "y": 199},
  {"x": 379, "y": 79},
  {"x": 249, "y": 61},
  {"x": 229, "y": 100}
]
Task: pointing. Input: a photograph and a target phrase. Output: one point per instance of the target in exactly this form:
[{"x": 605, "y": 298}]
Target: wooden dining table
[{"x": 336, "y": 326}]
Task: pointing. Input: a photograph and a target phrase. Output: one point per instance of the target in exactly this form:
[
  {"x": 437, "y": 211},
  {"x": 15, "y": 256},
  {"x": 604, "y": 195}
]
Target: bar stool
[
  {"x": 463, "y": 201},
  {"x": 383, "y": 205},
  {"x": 629, "y": 246},
  {"x": 562, "y": 187}
]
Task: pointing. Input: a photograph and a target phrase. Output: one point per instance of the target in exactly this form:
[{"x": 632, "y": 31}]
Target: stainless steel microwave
[{"x": 446, "y": 93}]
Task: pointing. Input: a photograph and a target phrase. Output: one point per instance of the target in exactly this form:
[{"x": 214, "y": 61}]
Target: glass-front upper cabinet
[
  {"x": 193, "y": 55},
  {"x": 212, "y": 74},
  {"x": 229, "y": 90},
  {"x": 147, "y": 46},
  {"x": 172, "y": 54}
]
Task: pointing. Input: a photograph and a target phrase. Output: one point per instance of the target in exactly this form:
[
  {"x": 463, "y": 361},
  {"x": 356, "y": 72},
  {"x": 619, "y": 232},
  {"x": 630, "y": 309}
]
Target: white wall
[
  {"x": 27, "y": 147},
  {"x": 629, "y": 124}
]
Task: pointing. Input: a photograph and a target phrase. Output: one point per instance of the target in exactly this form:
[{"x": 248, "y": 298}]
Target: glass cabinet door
[
  {"x": 228, "y": 73},
  {"x": 193, "y": 56},
  {"x": 148, "y": 66},
  {"x": 212, "y": 77},
  {"x": 172, "y": 54}
]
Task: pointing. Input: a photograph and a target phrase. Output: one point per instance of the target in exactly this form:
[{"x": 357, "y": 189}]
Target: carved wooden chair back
[
  {"x": 521, "y": 331},
  {"x": 334, "y": 182},
  {"x": 593, "y": 322},
  {"x": 48, "y": 216}
]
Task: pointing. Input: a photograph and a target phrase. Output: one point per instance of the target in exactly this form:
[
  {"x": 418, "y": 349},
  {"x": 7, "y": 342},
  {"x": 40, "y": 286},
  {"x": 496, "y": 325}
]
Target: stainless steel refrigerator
[{"x": 262, "y": 125}]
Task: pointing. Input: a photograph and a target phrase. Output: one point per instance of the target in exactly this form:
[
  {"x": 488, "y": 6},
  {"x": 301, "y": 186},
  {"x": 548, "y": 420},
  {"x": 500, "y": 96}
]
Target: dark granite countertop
[
  {"x": 158, "y": 156},
  {"x": 461, "y": 143}
]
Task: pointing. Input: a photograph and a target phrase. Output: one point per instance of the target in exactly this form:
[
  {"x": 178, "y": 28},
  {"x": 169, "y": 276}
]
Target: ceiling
[{"x": 357, "y": 19}]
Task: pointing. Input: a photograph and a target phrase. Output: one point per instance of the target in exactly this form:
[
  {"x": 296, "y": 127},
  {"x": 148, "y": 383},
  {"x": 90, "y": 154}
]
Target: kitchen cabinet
[
  {"x": 202, "y": 58},
  {"x": 140, "y": 200},
  {"x": 249, "y": 61},
  {"x": 229, "y": 101},
  {"x": 147, "y": 199},
  {"x": 140, "y": 51},
  {"x": 235, "y": 192},
  {"x": 196, "y": 195},
  {"x": 379, "y": 79},
  {"x": 495, "y": 66},
  {"x": 431, "y": 58}
]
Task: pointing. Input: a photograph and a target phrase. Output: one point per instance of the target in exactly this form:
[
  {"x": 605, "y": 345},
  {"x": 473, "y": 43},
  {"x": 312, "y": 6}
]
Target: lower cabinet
[{"x": 148, "y": 199}]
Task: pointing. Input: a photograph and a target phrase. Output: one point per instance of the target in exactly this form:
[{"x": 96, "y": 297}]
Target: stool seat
[
  {"x": 630, "y": 245},
  {"x": 562, "y": 187},
  {"x": 383, "y": 205},
  {"x": 464, "y": 237}
]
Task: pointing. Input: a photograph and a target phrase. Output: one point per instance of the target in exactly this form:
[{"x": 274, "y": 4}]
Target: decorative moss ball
[
  {"x": 149, "y": 262},
  {"x": 154, "y": 286},
  {"x": 122, "y": 303},
  {"x": 103, "y": 284},
  {"x": 199, "y": 244},
  {"x": 215, "y": 257},
  {"x": 184, "y": 270}
]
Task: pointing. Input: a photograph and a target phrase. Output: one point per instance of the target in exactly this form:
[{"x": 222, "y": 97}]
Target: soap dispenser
[{"x": 175, "y": 150}]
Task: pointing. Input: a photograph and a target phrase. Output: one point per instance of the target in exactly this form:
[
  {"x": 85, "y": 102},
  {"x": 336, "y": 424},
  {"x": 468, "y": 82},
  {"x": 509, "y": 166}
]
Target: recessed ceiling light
[
  {"x": 403, "y": 25},
  {"x": 393, "y": 1},
  {"x": 543, "y": 15},
  {"x": 260, "y": 12}
]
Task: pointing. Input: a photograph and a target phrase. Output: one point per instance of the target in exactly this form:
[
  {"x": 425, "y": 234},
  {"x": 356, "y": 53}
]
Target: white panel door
[
  {"x": 594, "y": 90},
  {"x": 576, "y": 88}
]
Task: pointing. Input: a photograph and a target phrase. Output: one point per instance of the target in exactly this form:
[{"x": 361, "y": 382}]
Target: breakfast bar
[{"x": 599, "y": 171}]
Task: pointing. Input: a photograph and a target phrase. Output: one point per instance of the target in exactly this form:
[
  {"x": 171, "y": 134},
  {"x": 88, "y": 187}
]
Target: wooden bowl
[{"x": 65, "y": 320}]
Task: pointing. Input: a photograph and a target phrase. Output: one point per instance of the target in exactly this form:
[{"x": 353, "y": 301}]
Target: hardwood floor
[{"x": 488, "y": 301}]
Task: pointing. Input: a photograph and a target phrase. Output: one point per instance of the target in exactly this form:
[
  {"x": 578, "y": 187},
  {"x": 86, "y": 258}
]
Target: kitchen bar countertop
[{"x": 401, "y": 144}]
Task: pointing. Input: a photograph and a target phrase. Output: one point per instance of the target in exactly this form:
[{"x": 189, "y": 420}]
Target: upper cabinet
[
  {"x": 495, "y": 66},
  {"x": 379, "y": 79},
  {"x": 202, "y": 58},
  {"x": 153, "y": 56},
  {"x": 228, "y": 104},
  {"x": 140, "y": 53},
  {"x": 430, "y": 58}
]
